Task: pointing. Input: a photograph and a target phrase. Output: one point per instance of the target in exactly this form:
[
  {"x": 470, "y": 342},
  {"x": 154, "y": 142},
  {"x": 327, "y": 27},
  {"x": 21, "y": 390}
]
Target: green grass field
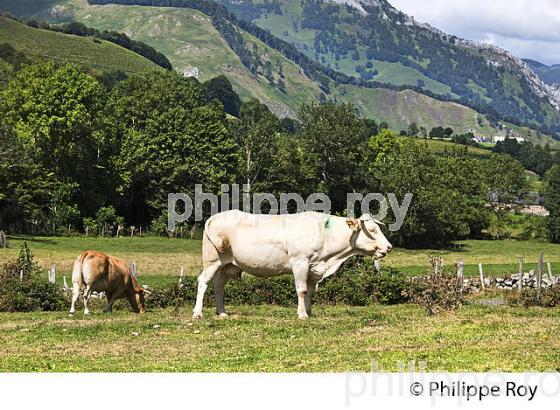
[
  {"x": 269, "y": 338},
  {"x": 161, "y": 259},
  {"x": 97, "y": 55}
]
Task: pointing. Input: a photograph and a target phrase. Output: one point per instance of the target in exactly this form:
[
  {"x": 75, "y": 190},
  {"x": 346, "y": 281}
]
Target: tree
[
  {"x": 413, "y": 130},
  {"x": 448, "y": 197},
  {"x": 54, "y": 113},
  {"x": 437, "y": 132},
  {"x": 552, "y": 202},
  {"x": 256, "y": 134},
  {"x": 163, "y": 137},
  {"x": 335, "y": 141},
  {"x": 505, "y": 181},
  {"x": 220, "y": 89}
]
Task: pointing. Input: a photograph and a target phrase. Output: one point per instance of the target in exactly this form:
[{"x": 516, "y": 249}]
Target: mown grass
[{"x": 269, "y": 338}]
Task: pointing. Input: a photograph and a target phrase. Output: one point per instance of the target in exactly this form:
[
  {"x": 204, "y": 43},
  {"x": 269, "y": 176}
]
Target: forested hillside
[
  {"x": 377, "y": 42},
  {"x": 194, "y": 46}
]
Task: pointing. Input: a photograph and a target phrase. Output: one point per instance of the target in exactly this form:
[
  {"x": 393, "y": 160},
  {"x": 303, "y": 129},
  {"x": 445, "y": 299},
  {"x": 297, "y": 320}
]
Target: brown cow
[{"x": 99, "y": 272}]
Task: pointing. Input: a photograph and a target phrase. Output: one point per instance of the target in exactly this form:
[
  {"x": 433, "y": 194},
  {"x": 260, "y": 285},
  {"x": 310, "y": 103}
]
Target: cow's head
[
  {"x": 370, "y": 240},
  {"x": 138, "y": 298}
]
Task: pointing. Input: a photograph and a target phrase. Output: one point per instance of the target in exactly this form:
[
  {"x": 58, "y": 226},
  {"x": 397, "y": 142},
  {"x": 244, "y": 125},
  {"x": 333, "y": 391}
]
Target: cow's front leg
[
  {"x": 111, "y": 298},
  {"x": 205, "y": 277},
  {"x": 301, "y": 273}
]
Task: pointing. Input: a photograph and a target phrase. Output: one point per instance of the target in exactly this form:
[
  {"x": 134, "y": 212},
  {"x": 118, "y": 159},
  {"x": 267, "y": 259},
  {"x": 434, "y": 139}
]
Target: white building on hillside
[{"x": 502, "y": 138}]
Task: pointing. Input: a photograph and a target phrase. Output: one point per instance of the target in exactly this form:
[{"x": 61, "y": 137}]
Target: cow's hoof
[
  {"x": 223, "y": 315},
  {"x": 86, "y": 313},
  {"x": 303, "y": 317},
  {"x": 197, "y": 316}
]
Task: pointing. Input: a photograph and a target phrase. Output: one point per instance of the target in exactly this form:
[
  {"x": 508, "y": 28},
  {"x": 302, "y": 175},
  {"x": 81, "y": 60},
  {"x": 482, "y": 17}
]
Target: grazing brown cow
[{"x": 99, "y": 272}]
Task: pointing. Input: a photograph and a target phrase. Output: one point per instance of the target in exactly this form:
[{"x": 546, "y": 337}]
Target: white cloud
[{"x": 527, "y": 28}]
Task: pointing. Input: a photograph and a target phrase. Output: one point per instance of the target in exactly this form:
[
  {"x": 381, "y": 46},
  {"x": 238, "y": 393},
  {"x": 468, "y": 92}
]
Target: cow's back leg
[
  {"x": 300, "y": 268},
  {"x": 87, "y": 294},
  {"x": 75, "y": 294},
  {"x": 203, "y": 280},
  {"x": 222, "y": 276},
  {"x": 311, "y": 286}
]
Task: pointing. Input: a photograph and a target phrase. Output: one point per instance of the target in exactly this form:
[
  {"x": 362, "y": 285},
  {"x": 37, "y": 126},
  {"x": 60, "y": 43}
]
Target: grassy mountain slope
[
  {"x": 94, "y": 54},
  {"x": 362, "y": 42},
  {"x": 403, "y": 107},
  {"x": 188, "y": 38}
]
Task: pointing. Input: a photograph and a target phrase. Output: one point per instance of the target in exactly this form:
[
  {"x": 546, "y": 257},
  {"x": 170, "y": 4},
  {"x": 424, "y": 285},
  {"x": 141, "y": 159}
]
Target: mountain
[
  {"x": 548, "y": 74},
  {"x": 204, "y": 44},
  {"x": 374, "y": 41},
  {"x": 97, "y": 55}
]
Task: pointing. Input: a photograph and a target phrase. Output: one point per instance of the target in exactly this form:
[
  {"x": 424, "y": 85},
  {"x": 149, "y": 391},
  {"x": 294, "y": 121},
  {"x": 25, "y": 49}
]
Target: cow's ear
[{"x": 353, "y": 224}]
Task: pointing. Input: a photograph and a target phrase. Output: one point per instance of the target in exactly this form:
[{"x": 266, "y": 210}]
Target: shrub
[
  {"x": 357, "y": 284},
  {"x": 28, "y": 292},
  {"x": 436, "y": 292},
  {"x": 527, "y": 297},
  {"x": 31, "y": 294}
]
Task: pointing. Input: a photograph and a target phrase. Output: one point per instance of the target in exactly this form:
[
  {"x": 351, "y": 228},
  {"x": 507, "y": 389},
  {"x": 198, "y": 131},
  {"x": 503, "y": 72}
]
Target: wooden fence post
[
  {"x": 539, "y": 275},
  {"x": 520, "y": 283},
  {"x": 140, "y": 231},
  {"x": 550, "y": 273},
  {"x": 377, "y": 264},
  {"x": 52, "y": 274},
  {"x": 3, "y": 240},
  {"x": 133, "y": 269},
  {"x": 481, "y": 271},
  {"x": 181, "y": 277},
  {"x": 460, "y": 275}
]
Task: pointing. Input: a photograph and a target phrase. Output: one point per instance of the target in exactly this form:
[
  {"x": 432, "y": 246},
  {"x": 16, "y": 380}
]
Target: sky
[{"x": 526, "y": 28}]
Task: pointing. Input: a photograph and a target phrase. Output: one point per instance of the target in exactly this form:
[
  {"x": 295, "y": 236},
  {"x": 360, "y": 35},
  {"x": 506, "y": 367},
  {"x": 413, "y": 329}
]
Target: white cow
[{"x": 311, "y": 246}]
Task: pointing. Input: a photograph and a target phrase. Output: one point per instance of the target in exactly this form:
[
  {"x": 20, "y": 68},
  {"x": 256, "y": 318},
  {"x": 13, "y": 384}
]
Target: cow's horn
[{"x": 378, "y": 222}]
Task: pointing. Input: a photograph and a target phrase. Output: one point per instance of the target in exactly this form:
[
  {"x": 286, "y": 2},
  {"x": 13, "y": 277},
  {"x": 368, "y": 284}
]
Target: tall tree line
[{"x": 74, "y": 150}]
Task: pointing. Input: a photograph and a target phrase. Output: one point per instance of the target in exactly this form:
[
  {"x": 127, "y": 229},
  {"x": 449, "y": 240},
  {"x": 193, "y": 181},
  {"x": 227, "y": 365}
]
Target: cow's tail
[
  {"x": 217, "y": 239},
  {"x": 78, "y": 268}
]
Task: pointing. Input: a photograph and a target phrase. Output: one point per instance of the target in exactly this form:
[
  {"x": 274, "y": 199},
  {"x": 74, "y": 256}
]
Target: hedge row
[{"x": 356, "y": 284}]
